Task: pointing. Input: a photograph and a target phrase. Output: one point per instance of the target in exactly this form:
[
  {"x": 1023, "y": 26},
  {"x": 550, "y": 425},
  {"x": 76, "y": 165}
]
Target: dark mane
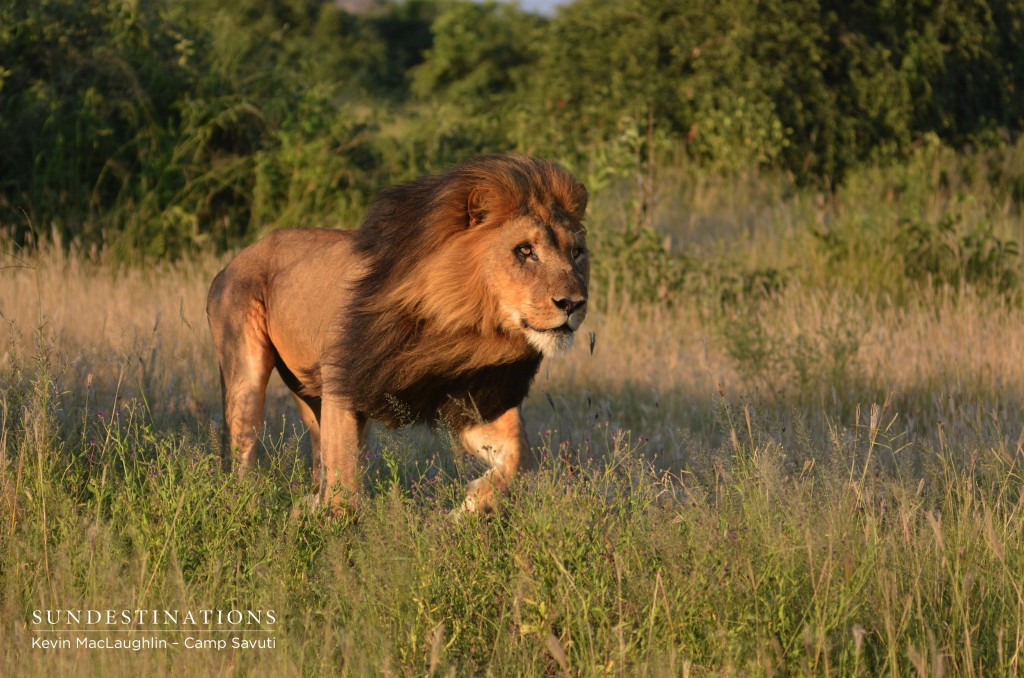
[{"x": 421, "y": 339}]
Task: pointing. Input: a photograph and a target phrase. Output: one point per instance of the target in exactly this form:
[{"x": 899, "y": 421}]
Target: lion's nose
[{"x": 569, "y": 305}]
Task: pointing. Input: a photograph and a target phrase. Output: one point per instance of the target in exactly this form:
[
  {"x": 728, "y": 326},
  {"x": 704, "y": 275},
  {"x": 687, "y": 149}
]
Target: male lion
[{"x": 439, "y": 308}]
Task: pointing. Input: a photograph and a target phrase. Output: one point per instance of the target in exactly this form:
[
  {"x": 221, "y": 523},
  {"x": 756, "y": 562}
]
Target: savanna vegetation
[{"x": 791, "y": 445}]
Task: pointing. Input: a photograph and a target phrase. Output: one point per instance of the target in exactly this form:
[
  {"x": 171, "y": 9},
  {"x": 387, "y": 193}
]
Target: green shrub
[
  {"x": 88, "y": 106},
  {"x": 944, "y": 255},
  {"x": 637, "y": 266},
  {"x": 917, "y": 252}
]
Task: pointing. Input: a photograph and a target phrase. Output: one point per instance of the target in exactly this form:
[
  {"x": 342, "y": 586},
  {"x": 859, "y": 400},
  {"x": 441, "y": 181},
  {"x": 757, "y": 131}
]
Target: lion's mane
[{"x": 422, "y": 339}]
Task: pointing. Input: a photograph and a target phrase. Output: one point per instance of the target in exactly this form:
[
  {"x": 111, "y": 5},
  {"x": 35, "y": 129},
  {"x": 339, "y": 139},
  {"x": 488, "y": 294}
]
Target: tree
[{"x": 479, "y": 54}]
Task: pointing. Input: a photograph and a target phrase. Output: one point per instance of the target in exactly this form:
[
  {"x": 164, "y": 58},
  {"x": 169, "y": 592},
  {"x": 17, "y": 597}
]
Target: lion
[{"x": 438, "y": 309}]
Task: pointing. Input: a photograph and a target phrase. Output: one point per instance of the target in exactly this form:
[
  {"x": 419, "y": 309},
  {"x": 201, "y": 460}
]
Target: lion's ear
[
  {"x": 578, "y": 203},
  {"x": 475, "y": 207}
]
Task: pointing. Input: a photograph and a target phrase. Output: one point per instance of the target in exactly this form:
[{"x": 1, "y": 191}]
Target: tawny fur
[{"x": 437, "y": 308}]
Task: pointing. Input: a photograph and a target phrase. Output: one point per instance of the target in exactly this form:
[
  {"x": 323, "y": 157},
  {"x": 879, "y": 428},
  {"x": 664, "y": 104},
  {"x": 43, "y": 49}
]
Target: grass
[{"x": 819, "y": 482}]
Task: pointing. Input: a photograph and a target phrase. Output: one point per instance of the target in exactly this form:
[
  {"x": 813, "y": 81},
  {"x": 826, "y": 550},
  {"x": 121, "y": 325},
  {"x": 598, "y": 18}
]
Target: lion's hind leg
[
  {"x": 246, "y": 358},
  {"x": 502, "y": 444}
]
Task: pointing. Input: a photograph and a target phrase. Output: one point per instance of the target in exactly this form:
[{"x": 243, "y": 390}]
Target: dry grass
[
  {"x": 846, "y": 495},
  {"x": 947, "y": 357}
]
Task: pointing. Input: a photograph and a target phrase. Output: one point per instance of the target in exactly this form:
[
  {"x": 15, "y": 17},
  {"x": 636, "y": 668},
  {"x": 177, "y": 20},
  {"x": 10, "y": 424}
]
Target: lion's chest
[{"x": 457, "y": 401}]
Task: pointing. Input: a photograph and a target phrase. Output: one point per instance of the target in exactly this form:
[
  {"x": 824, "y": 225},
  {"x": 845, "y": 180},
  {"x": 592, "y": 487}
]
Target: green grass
[{"x": 859, "y": 552}]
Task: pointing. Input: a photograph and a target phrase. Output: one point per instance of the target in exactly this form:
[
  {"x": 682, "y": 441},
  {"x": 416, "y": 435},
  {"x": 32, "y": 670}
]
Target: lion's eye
[{"x": 524, "y": 251}]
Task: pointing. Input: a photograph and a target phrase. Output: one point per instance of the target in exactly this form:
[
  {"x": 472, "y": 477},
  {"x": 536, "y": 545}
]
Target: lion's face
[{"x": 538, "y": 271}]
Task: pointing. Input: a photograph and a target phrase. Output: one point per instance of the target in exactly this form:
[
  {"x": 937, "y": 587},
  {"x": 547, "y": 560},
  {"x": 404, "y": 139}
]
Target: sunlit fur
[
  {"x": 438, "y": 315},
  {"x": 548, "y": 343}
]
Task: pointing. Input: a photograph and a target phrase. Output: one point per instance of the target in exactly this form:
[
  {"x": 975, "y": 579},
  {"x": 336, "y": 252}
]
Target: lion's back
[
  {"x": 284, "y": 255},
  {"x": 290, "y": 283}
]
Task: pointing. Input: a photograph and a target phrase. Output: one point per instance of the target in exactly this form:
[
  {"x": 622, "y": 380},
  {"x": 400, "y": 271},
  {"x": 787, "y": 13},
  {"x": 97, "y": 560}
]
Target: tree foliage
[
  {"x": 479, "y": 52},
  {"x": 168, "y": 125}
]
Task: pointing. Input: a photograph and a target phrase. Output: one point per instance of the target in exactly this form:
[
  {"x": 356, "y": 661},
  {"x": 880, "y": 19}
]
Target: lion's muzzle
[
  {"x": 575, "y": 311},
  {"x": 569, "y": 305}
]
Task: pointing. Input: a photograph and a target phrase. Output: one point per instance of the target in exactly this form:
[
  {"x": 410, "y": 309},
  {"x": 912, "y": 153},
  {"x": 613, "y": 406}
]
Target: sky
[{"x": 542, "y": 6}]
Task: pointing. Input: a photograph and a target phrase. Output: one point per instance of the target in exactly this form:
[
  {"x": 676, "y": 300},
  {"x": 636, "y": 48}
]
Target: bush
[
  {"x": 163, "y": 128},
  {"x": 917, "y": 252},
  {"x": 944, "y": 255},
  {"x": 89, "y": 107},
  {"x": 637, "y": 266}
]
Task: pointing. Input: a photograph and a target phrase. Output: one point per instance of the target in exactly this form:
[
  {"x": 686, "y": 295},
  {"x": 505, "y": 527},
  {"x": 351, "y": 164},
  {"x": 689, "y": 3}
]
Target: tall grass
[{"x": 695, "y": 512}]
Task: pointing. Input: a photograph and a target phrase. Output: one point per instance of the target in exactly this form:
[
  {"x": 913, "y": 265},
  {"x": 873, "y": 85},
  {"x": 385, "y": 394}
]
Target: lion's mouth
[
  {"x": 549, "y": 341},
  {"x": 564, "y": 328}
]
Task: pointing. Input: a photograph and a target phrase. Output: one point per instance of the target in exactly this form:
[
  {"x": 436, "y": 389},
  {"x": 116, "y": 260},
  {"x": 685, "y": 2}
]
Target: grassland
[{"x": 822, "y": 480}]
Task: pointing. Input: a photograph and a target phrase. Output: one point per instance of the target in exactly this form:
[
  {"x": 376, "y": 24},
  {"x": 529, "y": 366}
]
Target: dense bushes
[
  {"x": 90, "y": 93},
  {"x": 811, "y": 86},
  {"x": 161, "y": 127},
  {"x": 158, "y": 127}
]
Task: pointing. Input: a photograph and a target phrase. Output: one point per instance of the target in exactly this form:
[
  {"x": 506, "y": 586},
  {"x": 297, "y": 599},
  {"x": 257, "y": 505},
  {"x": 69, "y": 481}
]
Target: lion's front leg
[
  {"x": 502, "y": 444},
  {"x": 311, "y": 418},
  {"x": 342, "y": 436}
]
